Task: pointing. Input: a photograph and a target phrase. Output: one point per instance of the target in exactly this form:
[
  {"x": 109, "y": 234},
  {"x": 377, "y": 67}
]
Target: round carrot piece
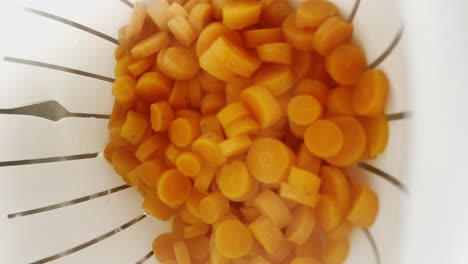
[
  {"x": 196, "y": 230},
  {"x": 231, "y": 113},
  {"x": 181, "y": 252},
  {"x": 189, "y": 164},
  {"x": 210, "y": 124},
  {"x": 234, "y": 181},
  {"x": 328, "y": 213},
  {"x": 269, "y": 160},
  {"x": 150, "y": 171},
  {"x": 172, "y": 152},
  {"x": 180, "y": 95},
  {"x": 339, "y": 100},
  {"x": 207, "y": 147},
  {"x": 233, "y": 239},
  {"x": 267, "y": 234},
  {"x": 302, "y": 225},
  {"x": 178, "y": 63},
  {"x": 274, "y": 12},
  {"x": 188, "y": 218},
  {"x": 335, "y": 251},
  {"x": 188, "y": 113},
  {"x": 278, "y": 79},
  {"x": 262, "y": 105},
  {"x": 156, "y": 208},
  {"x": 318, "y": 71},
  {"x": 193, "y": 203},
  {"x": 204, "y": 179},
  {"x": 211, "y": 33},
  {"x": 213, "y": 207},
  {"x": 124, "y": 161},
  {"x": 364, "y": 208},
  {"x": 306, "y": 160},
  {"x": 124, "y": 90},
  {"x": 376, "y": 133},
  {"x": 198, "y": 248},
  {"x": 272, "y": 206},
  {"x": 312, "y": 13},
  {"x": 310, "y": 249},
  {"x": 184, "y": 131},
  {"x": 134, "y": 127},
  {"x": 235, "y": 145},
  {"x": 121, "y": 68},
  {"x": 234, "y": 88},
  {"x": 302, "y": 63},
  {"x": 256, "y": 37},
  {"x": 304, "y": 180},
  {"x": 299, "y": 38},
  {"x": 370, "y": 93},
  {"x": 304, "y": 109},
  {"x": 201, "y": 16},
  {"x": 209, "y": 83},
  {"x": 173, "y": 188},
  {"x": 162, "y": 246},
  {"x": 345, "y": 64},
  {"x": 154, "y": 86},
  {"x": 335, "y": 185},
  {"x": 138, "y": 67},
  {"x": 332, "y": 33},
  {"x": 354, "y": 141},
  {"x": 314, "y": 88},
  {"x": 161, "y": 116},
  {"x": 323, "y": 138},
  {"x": 212, "y": 64},
  {"x": 342, "y": 231},
  {"x": 275, "y": 52},
  {"x": 212, "y": 103},
  {"x": 177, "y": 226},
  {"x": 240, "y": 14},
  {"x": 243, "y": 126},
  {"x": 282, "y": 255}
]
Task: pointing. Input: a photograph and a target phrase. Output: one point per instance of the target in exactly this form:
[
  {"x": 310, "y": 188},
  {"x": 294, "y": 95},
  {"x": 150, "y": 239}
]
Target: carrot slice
[
  {"x": 370, "y": 93},
  {"x": 154, "y": 86},
  {"x": 335, "y": 185},
  {"x": 272, "y": 206},
  {"x": 233, "y": 239},
  {"x": 304, "y": 180},
  {"x": 234, "y": 181},
  {"x": 299, "y": 38},
  {"x": 124, "y": 90},
  {"x": 240, "y": 14},
  {"x": 335, "y": 251},
  {"x": 173, "y": 188},
  {"x": 134, "y": 127},
  {"x": 156, "y": 208},
  {"x": 302, "y": 63},
  {"x": 339, "y": 100},
  {"x": 304, "y": 109},
  {"x": 275, "y": 52},
  {"x": 312, "y": 13},
  {"x": 267, "y": 233},
  {"x": 211, "y": 33},
  {"x": 306, "y": 160},
  {"x": 328, "y": 213},
  {"x": 212, "y": 103},
  {"x": 314, "y": 88},
  {"x": 189, "y": 164},
  {"x": 204, "y": 179},
  {"x": 213, "y": 207},
  {"x": 324, "y": 138},
  {"x": 364, "y": 208},
  {"x": 183, "y": 131},
  {"x": 235, "y": 145},
  {"x": 231, "y": 113},
  {"x": 207, "y": 147},
  {"x": 302, "y": 225},
  {"x": 181, "y": 252},
  {"x": 262, "y": 105},
  {"x": 376, "y": 133},
  {"x": 345, "y": 64},
  {"x": 256, "y": 37},
  {"x": 162, "y": 246},
  {"x": 277, "y": 78},
  {"x": 243, "y": 126},
  {"x": 269, "y": 160},
  {"x": 332, "y": 33}
]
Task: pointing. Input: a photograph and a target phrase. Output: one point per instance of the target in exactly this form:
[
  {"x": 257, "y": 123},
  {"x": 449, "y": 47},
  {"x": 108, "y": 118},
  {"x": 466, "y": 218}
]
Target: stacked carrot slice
[{"x": 235, "y": 119}]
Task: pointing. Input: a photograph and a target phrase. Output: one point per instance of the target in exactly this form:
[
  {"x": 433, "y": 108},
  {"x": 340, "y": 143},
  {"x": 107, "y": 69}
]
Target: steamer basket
[{"x": 60, "y": 201}]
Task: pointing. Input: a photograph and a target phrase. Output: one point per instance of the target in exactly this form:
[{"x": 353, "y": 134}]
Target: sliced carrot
[
  {"x": 212, "y": 32},
  {"x": 299, "y": 38},
  {"x": 198, "y": 248},
  {"x": 183, "y": 131},
  {"x": 134, "y": 127},
  {"x": 345, "y": 64},
  {"x": 172, "y": 152},
  {"x": 150, "y": 45},
  {"x": 214, "y": 66},
  {"x": 234, "y": 181},
  {"x": 162, "y": 246},
  {"x": 213, "y": 207},
  {"x": 156, "y": 208},
  {"x": 161, "y": 116},
  {"x": 121, "y": 68},
  {"x": 181, "y": 252},
  {"x": 240, "y": 14},
  {"x": 282, "y": 255},
  {"x": 204, "y": 179},
  {"x": 138, "y": 67},
  {"x": 267, "y": 233},
  {"x": 177, "y": 226},
  {"x": 124, "y": 90},
  {"x": 235, "y": 145},
  {"x": 234, "y": 88},
  {"x": 135, "y": 26},
  {"x": 231, "y": 113},
  {"x": 304, "y": 109},
  {"x": 342, "y": 231},
  {"x": 335, "y": 185},
  {"x": 195, "y": 93},
  {"x": 182, "y": 30},
  {"x": 207, "y": 147},
  {"x": 233, "y": 239},
  {"x": 335, "y": 251},
  {"x": 121, "y": 51},
  {"x": 333, "y": 32},
  {"x": 298, "y": 195},
  {"x": 302, "y": 225},
  {"x": 158, "y": 14},
  {"x": 269, "y": 160},
  {"x": 124, "y": 161},
  {"x": 200, "y": 16},
  {"x": 256, "y": 37},
  {"x": 306, "y": 160},
  {"x": 310, "y": 249},
  {"x": 314, "y": 88},
  {"x": 249, "y": 213},
  {"x": 154, "y": 86},
  {"x": 324, "y": 138},
  {"x": 176, "y": 9},
  {"x": 196, "y": 230},
  {"x": 339, "y": 100},
  {"x": 180, "y": 95},
  {"x": 173, "y": 188},
  {"x": 364, "y": 208},
  {"x": 354, "y": 141},
  {"x": 274, "y": 12},
  {"x": 370, "y": 93},
  {"x": 188, "y": 218},
  {"x": 275, "y": 52},
  {"x": 149, "y": 172},
  {"x": 304, "y": 180},
  {"x": 314, "y": 13},
  {"x": 272, "y": 206},
  {"x": 193, "y": 203},
  {"x": 189, "y": 164},
  {"x": 210, "y": 124},
  {"x": 328, "y": 213},
  {"x": 262, "y": 105},
  {"x": 318, "y": 70},
  {"x": 377, "y": 135},
  {"x": 178, "y": 63},
  {"x": 243, "y": 126},
  {"x": 278, "y": 79},
  {"x": 212, "y": 103}
]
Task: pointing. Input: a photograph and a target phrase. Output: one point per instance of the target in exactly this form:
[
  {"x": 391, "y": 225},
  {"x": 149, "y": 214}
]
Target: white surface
[{"x": 438, "y": 63}]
